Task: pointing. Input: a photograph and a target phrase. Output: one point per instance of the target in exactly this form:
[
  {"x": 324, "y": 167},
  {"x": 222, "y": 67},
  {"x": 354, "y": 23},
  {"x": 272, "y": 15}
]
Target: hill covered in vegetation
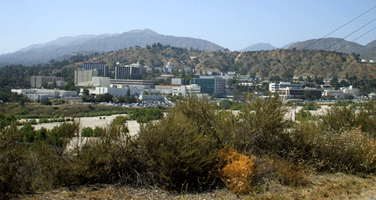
[{"x": 280, "y": 62}]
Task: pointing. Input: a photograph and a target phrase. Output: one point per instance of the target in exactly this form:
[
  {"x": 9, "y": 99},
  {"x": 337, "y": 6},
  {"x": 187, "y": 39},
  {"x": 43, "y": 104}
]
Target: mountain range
[
  {"x": 65, "y": 46},
  {"x": 259, "y": 47},
  {"x": 41, "y": 53}
]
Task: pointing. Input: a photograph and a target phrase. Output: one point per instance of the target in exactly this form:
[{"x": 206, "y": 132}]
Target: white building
[
  {"x": 273, "y": 87},
  {"x": 342, "y": 92},
  {"x": 83, "y": 78},
  {"x": 178, "y": 90},
  {"x": 168, "y": 67},
  {"x": 44, "y": 94},
  {"x": 178, "y": 81},
  {"x": 120, "y": 91},
  {"x": 98, "y": 81}
]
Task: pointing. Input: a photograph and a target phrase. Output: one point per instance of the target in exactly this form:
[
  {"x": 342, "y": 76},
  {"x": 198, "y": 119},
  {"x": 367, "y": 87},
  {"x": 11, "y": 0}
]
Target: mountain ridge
[
  {"x": 42, "y": 53},
  {"x": 259, "y": 47}
]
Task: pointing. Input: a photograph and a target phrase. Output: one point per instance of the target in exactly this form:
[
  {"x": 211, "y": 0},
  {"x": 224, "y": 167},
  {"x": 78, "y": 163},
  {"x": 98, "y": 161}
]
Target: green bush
[
  {"x": 120, "y": 120},
  {"x": 303, "y": 115},
  {"x": 37, "y": 163},
  {"x": 87, "y": 132},
  {"x": 350, "y": 151},
  {"x": 182, "y": 147},
  {"x": 44, "y": 120},
  {"x": 23, "y": 112},
  {"x": 311, "y": 106},
  {"x": 144, "y": 115},
  {"x": 344, "y": 117},
  {"x": 262, "y": 126},
  {"x": 99, "y": 131}
]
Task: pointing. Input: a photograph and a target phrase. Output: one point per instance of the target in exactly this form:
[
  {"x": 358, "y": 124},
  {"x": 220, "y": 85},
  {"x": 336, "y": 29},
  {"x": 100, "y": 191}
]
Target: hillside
[
  {"x": 104, "y": 43},
  {"x": 331, "y": 44},
  {"x": 371, "y": 44},
  {"x": 282, "y": 62}
]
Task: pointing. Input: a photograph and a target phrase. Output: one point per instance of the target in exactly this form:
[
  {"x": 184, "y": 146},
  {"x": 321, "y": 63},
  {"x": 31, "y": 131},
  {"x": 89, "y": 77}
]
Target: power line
[
  {"x": 357, "y": 38},
  {"x": 342, "y": 39},
  {"x": 339, "y": 28}
]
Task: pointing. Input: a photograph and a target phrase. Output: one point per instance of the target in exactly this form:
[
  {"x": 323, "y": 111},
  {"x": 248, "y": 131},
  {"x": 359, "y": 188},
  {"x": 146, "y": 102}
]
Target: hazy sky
[{"x": 232, "y": 24}]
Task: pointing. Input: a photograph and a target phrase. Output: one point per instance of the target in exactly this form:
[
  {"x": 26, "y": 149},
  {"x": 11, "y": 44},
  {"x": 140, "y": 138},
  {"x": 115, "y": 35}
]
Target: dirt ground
[{"x": 322, "y": 186}]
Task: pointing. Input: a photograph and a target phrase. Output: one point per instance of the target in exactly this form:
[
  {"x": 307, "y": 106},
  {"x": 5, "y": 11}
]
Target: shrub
[
  {"x": 99, "y": 131},
  {"x": 183, "y": 146},
  {"x": 311, "y": 106},
  {"x": 303, "y": 115},
  {"x": 23, "y": 112},
  {"x": 262, "y": 126},
  {"x": 87, "y": 132},
  {"x": 144, "y": 115},
  {"x": 34, "y": 164},
  {"x": 44, "y": 120},
  {"x": 46, "y": 102},
  {"x": 120, "y": 120},
  {"x": 344, "y": 117},
  {"x": 238, "y": 172},
  {"x": 349, "y": 151}
]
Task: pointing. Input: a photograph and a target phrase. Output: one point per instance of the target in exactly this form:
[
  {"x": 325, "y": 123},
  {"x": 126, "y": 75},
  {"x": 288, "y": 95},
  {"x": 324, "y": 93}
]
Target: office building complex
[
  {"x": 132, "y": 71},
  {"x": 150, "y": 84},
  {"x": 84, "y": 77},
  {"x": 101, "y": 68},
  {"x": 37, "y": 81},
  {"x": 273, "y": 87},
  {"x": 211, "y": 85}
]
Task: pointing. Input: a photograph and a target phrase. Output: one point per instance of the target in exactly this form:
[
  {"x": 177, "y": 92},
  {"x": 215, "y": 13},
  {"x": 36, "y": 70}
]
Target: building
[
  {"x": 273, "y": 87},
  {"x": 44, "y": 94},
  {"x": 297, "y": 93},
  {"x": 214, "y": 86},
  {"x": 37, "y": 81},
  {"x": 84, "y": 77},
  {"x": 101, "y": 68},
  {"x": 149, "y": 84},
  {"x": 342, "y": 92},
  {"x": 178, "y": 81},
  {"x": 132, "y": 71},
  {"x": 100, "y": 81},
  {"x": 169, "y": 67},
  {"x": 178, "y": 90}
]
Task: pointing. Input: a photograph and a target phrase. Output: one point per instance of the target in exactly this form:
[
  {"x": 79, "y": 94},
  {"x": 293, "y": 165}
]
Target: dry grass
[
  {"x": 238, "y": 172},
  {"x": 323, "y": 186}
]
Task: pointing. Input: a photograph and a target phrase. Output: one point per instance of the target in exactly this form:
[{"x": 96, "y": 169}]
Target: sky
[{"x": 232, "y": 24}]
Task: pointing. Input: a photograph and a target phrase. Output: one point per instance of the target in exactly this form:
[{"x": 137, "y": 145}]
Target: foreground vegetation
[
  {"x": 194, "y": 148},
  {"x": 35, "y": 110}
]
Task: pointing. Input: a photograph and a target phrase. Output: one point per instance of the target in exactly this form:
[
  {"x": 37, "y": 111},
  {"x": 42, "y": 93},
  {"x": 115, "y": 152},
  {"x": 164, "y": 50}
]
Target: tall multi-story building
[
  {"x": 212, "y": 85},
  {"x": 132, "y": 71},
  {"x": 101, "y": 68},
  {"x": 84, "y": 77},
  {"x": 37, "y": 81}
]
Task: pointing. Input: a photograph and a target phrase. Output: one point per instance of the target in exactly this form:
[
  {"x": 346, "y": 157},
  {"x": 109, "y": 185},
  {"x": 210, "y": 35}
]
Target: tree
[
  {"x": 275, "y": 79},
  {"x": 226, "y": 104},
  {"x": 88, "y": 98},
  {"x": 344, "y": 83},
  {"x": 103, "y": 97},
  {"x": 334, "y": 83},
  {"x": 319, "y": 81},
  {"x": 307, "y": 96}
]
